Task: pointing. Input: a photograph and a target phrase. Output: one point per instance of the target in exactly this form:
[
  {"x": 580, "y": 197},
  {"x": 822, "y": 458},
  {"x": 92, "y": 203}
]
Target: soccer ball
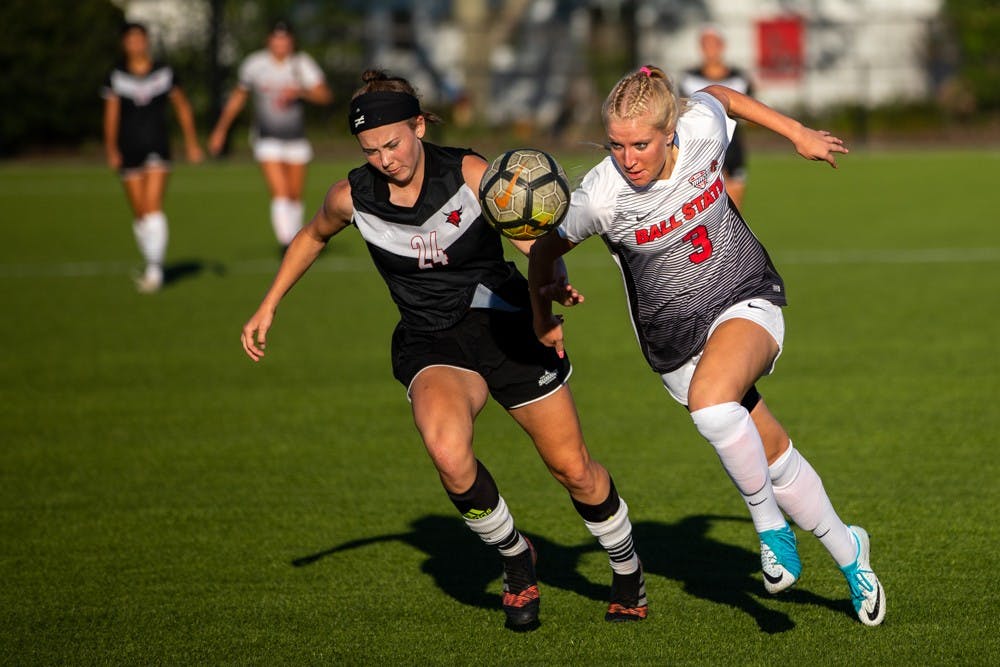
[{"x": 524, "y": 193}]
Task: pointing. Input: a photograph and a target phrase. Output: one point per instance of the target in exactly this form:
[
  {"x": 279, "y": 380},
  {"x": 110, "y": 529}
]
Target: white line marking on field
[
  {"x": 898, "y": 256},
  {"x": 363, "y": 264},
  {"x": 122, "y": 267}
]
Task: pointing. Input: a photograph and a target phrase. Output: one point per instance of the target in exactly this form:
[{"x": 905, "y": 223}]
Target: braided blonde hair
[{"x": 646, "y": 92}]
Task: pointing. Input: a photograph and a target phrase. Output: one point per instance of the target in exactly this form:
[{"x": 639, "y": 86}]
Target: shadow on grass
[
  {"x": 464, "y": 568},
  {"x": 175, "y": 272}
]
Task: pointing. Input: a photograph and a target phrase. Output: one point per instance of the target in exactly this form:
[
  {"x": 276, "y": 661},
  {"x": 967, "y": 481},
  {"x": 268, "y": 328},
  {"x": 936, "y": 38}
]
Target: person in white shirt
[
  {"x": 705, "y": 301},
  {"x": 281, "y": 80}
]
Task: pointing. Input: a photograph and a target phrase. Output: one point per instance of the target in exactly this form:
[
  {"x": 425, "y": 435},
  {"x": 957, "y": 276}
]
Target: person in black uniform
[
  {"x": 714, "y": 70},
  {"x": 137, "y": 142},
  {"x": 465, "y": 333}
]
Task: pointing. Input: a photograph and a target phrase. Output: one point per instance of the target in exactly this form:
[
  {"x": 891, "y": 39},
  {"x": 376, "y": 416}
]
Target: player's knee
[
  {"x": 718, "y": 422},
  {"x": 706, "y": 394},
  {"x": 578, "y": 477},
  {"x": 452, "y": 456}
]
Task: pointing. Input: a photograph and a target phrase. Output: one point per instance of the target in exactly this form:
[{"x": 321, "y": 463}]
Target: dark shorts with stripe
[
  {"x": 136, "y": 157},
  {"x": 500, "y": 346}
]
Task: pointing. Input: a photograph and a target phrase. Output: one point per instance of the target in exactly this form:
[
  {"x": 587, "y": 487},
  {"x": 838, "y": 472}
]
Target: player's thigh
[
  {"x": 445, "y": 402},
  {"x": 274, "y": 176},
  {"x": 736, "y": 355}
]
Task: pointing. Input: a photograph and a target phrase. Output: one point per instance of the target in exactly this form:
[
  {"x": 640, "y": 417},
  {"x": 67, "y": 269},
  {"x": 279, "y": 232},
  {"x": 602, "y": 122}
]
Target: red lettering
[{"x": 688, "y": 212}]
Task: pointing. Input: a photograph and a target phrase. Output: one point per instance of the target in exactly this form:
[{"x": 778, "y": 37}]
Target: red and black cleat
[
  {"x": 520, "y": 590},
  {"x": 628, "y": 598}
]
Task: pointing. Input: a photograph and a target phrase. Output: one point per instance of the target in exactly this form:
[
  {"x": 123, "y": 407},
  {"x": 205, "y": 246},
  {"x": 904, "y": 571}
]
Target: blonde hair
[{"x": 646, "y": 92}]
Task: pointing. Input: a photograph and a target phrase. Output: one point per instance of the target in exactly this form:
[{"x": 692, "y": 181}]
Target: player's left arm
[
  {"x": 182, "y": 107},
  {"x": 809, "y": 143},
  {"x": 319, "y": 94},
  {"x": 312, "y": 86}
]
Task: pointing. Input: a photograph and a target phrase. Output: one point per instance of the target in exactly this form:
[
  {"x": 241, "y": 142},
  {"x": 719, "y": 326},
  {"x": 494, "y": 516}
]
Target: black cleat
[
  {"x": 520, "y": 590},
  {"x": 628, "y": 598}
]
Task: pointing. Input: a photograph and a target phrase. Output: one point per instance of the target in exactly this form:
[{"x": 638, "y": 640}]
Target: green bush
[
  {"x": 976, "y": 26},
  {"x": 54, "y": 57}
]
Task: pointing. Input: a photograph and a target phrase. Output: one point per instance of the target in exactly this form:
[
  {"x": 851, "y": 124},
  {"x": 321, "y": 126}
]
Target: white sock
[
  {"x": 615, "y": 535},
  {"x": 151, "y": 235},
  {"x": 283, "y": 219},
  {"x": 800, "y": 493},
  {"x": 731, "y": 432},
  {"x": 497, "y": 528},
  {"x": 295, "y": 210}
]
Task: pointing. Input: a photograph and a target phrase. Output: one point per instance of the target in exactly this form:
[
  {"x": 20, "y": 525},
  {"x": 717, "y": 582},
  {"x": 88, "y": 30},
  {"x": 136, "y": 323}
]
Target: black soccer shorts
[{"x": 499, "y": 346}]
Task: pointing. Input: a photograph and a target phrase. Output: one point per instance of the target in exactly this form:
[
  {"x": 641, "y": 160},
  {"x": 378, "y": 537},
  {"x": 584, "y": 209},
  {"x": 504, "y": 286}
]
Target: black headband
[{"x": 380, "y": 108}]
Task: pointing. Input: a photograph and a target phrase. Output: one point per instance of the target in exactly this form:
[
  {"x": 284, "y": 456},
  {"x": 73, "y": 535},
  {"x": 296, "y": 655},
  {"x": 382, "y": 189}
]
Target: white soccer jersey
[
  {"x": 684, "y": 251},
  {"x": 266, "y": 77}
]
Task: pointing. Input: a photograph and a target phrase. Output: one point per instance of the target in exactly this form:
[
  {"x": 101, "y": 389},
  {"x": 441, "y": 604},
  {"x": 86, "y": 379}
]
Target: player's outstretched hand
[
  {"x": 561, "y": 292},
  {"x": 819, "y": 145},
  {"x": 550, "y": 333},
  {"x": 254, "y": 336}
]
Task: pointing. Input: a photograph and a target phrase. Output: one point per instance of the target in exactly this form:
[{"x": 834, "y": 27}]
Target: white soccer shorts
[
  {"x": 292, "y": 151},
  {"x": 759, "y": 311}
]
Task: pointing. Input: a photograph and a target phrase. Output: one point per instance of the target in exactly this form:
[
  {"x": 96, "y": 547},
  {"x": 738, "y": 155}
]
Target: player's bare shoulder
[
  {"x": 473, "y": 168},
  {"x": 337, "y": 209}
]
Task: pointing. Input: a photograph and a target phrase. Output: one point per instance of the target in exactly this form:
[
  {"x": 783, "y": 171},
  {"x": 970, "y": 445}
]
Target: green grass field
[{"x": 163, "y": 500}]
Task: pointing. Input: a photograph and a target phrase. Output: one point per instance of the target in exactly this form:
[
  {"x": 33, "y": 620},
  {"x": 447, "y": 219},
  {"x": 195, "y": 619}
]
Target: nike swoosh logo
[
  {"x": 750, "y": 305},
  {"x": 873, "y": 614},
  {"x": 640, "y": 218},
  {"x": 503, "y": 198},
  {"x": 773, "y": 580},
  {"x": 754, "y": 504}
]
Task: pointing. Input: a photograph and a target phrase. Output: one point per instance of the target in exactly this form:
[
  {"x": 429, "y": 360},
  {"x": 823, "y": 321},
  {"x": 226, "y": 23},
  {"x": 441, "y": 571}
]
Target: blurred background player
[
  {"x": 706, "y": 302},
  {"x": 464, "y": 334},
  {"x": 281, "y": 80},
  {"x": 137, "y": 142},
  {"x": 713, "y": 69}
]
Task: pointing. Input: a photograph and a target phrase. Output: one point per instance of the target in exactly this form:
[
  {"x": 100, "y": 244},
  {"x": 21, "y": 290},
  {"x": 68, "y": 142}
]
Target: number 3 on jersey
[
  {"x": 429, "y": 252},
  {"x": 699, "y": 239}
]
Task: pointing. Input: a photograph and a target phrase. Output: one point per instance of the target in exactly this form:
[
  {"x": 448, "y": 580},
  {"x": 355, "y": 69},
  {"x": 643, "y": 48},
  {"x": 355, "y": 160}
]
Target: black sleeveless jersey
[
  {"x": 438, "y": 257},
  {"x": 144, "y": 98}
]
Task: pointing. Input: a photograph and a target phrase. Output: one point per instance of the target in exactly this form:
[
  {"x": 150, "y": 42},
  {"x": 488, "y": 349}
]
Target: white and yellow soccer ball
[{"x": 524, "y": 193}]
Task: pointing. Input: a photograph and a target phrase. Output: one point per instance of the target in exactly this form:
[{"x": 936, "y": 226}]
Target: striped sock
[
  {"x": 609, "y": 523},
  {"x": 486, "y": 514}
]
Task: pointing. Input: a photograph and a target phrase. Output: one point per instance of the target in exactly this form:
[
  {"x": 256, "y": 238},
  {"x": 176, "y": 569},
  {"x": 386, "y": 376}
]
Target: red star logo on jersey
[{"x": 454, "y": 217}]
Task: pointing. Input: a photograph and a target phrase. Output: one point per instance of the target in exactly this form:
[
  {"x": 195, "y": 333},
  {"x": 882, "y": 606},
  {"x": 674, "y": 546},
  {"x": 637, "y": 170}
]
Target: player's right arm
[
  {"x": 543, "y": 261},
  {"x": 809, "y": 143},
  {"x": 112, "y": 116},
  {"x": 334, "y": 215},
  {"x": 234, "y": 105}
]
